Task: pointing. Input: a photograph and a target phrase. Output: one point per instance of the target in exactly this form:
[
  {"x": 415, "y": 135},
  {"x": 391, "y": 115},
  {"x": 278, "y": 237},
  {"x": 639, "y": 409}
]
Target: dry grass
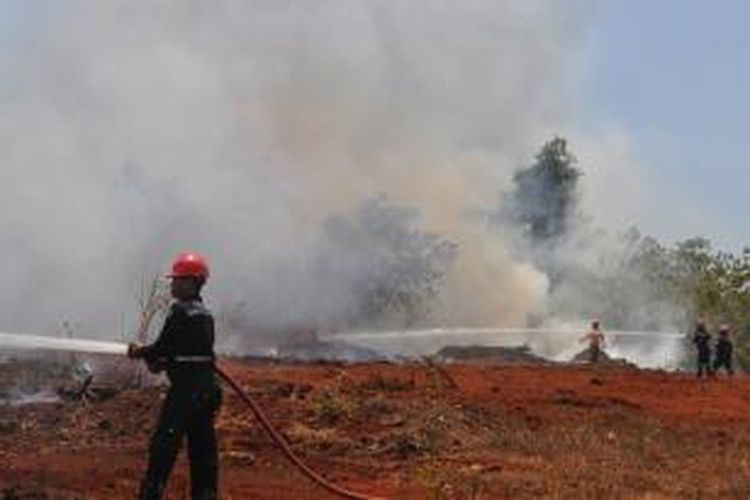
[
  {"x": 332, "y": 407},
  {"x": 308, "y": 436},
  {"x": 503, "y": 432},
  {"x": 380, "y": 383}
]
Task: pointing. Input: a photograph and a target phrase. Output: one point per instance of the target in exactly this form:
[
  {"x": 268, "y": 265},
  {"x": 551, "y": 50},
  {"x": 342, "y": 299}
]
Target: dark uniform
[
  {"x": 724, "y": 348},
  {"x": 702, "y": 340},
  {"x": 185, "y": 349}
]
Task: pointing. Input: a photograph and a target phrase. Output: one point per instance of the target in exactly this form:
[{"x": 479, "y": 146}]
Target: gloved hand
[{"x": 135, "y": 351}]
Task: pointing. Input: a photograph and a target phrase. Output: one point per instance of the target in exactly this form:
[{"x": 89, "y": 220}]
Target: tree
[
  {"x": 546, "y": 194},
  {"x": 390, "y": 269},
  {"x": 701, "y": 283}
]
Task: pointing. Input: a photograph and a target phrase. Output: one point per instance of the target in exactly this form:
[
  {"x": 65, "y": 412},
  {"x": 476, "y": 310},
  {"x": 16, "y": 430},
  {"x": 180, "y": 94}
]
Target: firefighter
[
  {"x": 185, "y": 349},
  {"x": 702, "y": 341},
  {"x": 595, "y": 338},
  {"x": 724, "y": 348}
]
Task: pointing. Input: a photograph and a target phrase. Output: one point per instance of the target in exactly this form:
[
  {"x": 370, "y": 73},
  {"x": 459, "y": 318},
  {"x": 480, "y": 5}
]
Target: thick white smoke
[{"x": 132, "y": 130}]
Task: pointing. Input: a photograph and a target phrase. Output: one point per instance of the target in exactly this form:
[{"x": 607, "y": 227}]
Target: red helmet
[{"x": 189, "y": 264}]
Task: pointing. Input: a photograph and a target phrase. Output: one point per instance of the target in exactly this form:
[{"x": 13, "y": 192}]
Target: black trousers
[
  {"x": 724, "y": 362},
  {"x": 704, "y": 364},
  {"x": 186, "y": 412}
]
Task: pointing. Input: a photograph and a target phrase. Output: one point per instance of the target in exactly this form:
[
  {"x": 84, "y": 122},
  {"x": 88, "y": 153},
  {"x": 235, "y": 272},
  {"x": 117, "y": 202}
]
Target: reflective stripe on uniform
[{"x": 193, "y": 359}]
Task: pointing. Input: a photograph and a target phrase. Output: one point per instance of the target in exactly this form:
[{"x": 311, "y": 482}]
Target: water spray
[
  {"x": 499, "y": 332},
  {"x": 20, "y": 341}
]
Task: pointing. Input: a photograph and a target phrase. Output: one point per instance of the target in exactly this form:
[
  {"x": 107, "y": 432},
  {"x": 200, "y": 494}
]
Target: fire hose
[{"x": 282, "y": 443}]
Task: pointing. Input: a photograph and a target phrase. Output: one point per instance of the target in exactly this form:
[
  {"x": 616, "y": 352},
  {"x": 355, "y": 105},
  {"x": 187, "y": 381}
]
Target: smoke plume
[{"x": 132, "y": 130}]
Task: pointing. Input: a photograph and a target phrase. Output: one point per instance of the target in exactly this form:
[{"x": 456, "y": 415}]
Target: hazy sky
[{"x": 675, "y": 75}]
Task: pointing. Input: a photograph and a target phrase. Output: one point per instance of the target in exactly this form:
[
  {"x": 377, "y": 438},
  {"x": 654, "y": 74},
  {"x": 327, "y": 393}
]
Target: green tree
[
  {"x": 702, "y": 283},
  {"x": 546, "y": 193}
]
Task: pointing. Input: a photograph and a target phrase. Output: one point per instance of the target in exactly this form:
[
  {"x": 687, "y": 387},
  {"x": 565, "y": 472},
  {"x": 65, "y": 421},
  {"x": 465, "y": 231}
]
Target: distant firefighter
[
  {"x": 595, "y": 338},
  {"x": 724, "y": 348},
  {"x": 702, "y": 341}
]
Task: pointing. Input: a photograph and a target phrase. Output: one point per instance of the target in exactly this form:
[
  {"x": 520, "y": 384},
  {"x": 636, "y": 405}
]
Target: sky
[{"x": 675, "y": 76}]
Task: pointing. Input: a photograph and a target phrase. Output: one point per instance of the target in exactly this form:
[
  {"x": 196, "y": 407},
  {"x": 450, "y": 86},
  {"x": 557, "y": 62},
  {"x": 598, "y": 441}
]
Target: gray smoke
[{"x": 133, "y": 130}]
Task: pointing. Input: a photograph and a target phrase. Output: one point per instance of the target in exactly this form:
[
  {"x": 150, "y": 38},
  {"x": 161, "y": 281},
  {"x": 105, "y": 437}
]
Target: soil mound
[
  {"x": 491, "y": 354},
  {"x": 603, "y": 359}
]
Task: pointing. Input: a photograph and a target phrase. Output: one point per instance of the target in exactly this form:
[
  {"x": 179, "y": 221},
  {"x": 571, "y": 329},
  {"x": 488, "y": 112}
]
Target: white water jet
[
  {"x": 432, "y": 332},
  {"x": 19, "y": 341}
]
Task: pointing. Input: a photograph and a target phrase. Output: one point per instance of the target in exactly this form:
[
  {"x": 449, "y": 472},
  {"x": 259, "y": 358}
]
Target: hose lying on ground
[{"x": 281, "y": 442}]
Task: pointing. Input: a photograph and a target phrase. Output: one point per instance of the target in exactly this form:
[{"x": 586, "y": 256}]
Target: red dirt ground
[{"x": 411, "y": 431}]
